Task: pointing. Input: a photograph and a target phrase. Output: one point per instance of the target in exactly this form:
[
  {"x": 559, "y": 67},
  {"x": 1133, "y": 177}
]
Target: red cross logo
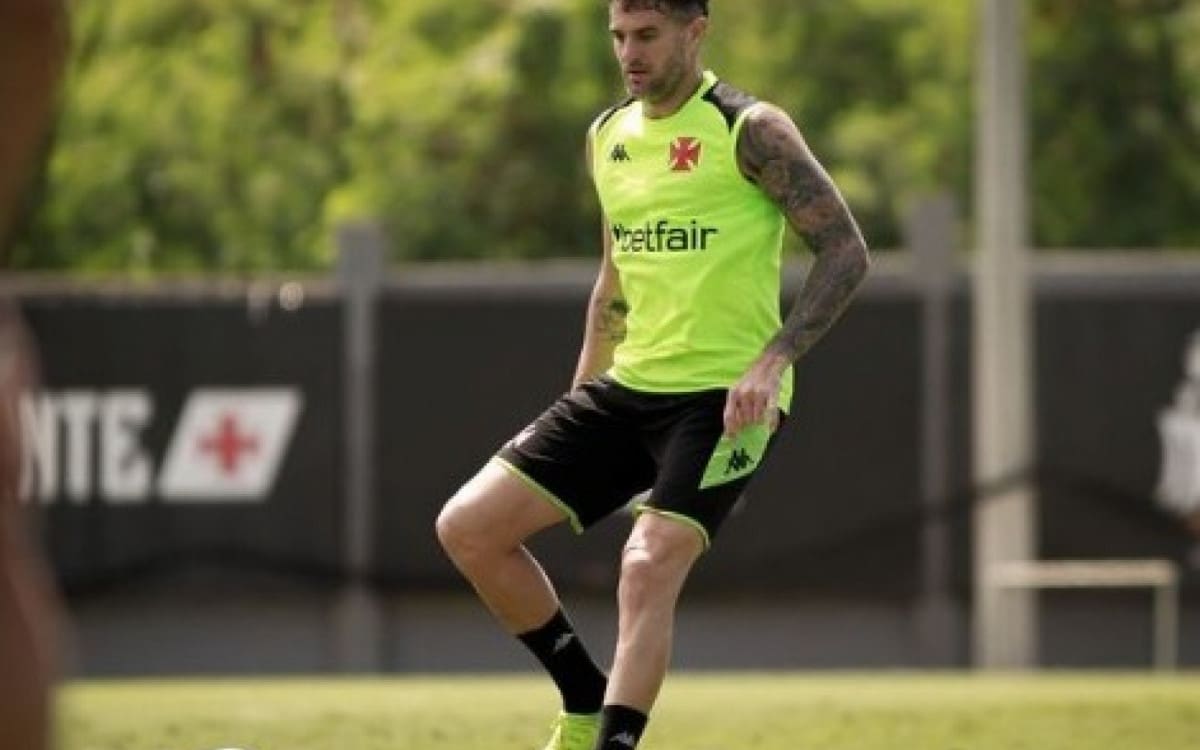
[
  {"x": 229, "y": 444},
  {"x": 685, "y": 154}
]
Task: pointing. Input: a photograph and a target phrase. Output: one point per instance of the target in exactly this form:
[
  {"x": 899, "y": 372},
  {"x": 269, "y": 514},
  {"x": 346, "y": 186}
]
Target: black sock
[
  {"x": 620, "y": 728},
  {"x": 558, "y": 648}
]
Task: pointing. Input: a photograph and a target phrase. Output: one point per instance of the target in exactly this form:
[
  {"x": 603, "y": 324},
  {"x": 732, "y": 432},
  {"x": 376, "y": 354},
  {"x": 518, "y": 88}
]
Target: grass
[{"x": 830, "y": 711}]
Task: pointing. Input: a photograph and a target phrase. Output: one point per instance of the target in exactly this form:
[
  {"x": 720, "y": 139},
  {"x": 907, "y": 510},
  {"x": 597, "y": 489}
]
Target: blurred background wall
[{"x": 823, "y": 561}]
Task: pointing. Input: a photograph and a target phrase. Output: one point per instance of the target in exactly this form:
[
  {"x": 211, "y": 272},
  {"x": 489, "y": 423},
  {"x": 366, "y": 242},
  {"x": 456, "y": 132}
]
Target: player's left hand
[{"x": 754, "y": 399}]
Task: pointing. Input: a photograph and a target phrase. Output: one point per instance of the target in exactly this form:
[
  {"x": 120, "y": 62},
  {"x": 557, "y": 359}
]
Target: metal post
[
  {"x": 930, "y": 237},
  {"x": 358, "y": 628},
  {"x": 1166, "y": 625},
  {"x": 1004, "y": 524}
]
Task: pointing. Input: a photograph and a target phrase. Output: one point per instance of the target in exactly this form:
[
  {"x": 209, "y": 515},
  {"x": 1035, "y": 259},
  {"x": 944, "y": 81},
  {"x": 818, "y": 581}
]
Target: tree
[
  {"x": 193, "y": 136},
  {"x": 1115, "y": 135},
  {"x": 233, "y": 135}
]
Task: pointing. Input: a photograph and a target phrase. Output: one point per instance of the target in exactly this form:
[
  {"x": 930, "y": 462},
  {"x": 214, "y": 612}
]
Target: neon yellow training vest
[{"x": 696, "y": 245}]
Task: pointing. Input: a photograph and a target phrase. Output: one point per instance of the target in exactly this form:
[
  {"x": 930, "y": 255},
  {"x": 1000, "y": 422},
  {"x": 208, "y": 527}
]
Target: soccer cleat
[{"x": 574, "y": 731}]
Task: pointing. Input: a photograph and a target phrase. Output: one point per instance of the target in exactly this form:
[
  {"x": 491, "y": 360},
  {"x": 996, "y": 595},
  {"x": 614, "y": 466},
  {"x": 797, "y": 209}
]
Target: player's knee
[
  {"x": 639, "y": 567},
  {"x": 649, "y": 573},
  {"x": 457, "y": 534}
]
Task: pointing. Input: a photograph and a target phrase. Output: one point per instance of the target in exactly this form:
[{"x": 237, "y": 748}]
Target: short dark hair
[{"x": 685, "y": 8}]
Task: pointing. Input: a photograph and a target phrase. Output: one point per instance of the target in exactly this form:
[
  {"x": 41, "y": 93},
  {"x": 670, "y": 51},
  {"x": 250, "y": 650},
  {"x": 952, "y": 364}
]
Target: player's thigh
[
  {"x": 704, "y": 472},
  {"x": 583, "y": 454},
  {"x": 497, "y": 506}
]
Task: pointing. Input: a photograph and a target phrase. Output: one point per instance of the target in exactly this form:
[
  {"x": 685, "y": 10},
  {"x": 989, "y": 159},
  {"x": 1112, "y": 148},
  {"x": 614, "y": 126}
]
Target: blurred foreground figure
[
  {"x": 32, "y": 44},
  {"x": 27, "y": 619}
]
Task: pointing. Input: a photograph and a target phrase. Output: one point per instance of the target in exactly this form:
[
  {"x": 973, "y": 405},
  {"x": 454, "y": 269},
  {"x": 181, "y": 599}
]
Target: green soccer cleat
[{"x": 574, "y": 731}]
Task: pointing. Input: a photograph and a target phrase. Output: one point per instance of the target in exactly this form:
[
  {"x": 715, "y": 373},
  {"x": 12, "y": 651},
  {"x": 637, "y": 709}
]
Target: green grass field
[{"x": 829, "y": 711}]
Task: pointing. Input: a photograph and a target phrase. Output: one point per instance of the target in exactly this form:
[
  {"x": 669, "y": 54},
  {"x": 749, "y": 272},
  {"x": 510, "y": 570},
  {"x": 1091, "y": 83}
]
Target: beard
[{"x": 658, "y": 87}]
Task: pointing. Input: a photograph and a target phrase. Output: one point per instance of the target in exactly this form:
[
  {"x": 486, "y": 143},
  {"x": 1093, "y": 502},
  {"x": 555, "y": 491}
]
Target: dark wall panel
[
  {"x": 464, "y": 367},
  {"x": 167, "y": 350}
]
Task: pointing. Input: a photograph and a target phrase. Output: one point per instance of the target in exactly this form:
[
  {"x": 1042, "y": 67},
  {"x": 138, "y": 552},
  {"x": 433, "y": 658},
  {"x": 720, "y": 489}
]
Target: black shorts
[{"x": 602, "y": 444}]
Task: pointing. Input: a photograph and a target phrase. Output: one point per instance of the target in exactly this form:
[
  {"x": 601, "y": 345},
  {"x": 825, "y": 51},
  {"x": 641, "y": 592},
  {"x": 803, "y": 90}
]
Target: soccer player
[
  {"x": 685, "y": 367},
  {"x": 31, "y": 52}
]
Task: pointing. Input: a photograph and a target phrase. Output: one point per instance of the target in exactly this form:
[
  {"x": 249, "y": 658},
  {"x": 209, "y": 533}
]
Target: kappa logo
[
  {"x": 619, "y": 154},
  {"x": 227, "y": 446},
  {"x": 624, "y": 738},
  {"x": 738, "y": 460},
  {"x": 685, "y": 154},
  {"x": 563, "y": 641}
]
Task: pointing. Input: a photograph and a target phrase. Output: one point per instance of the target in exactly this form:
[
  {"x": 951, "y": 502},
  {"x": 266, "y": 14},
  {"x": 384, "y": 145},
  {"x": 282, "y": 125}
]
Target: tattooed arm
[
  {"x": 773, "y": 154},
  {"x": 605, "y": 327}
]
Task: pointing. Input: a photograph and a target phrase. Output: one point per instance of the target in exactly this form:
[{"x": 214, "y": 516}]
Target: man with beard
[{"x": 685, "y": 369}]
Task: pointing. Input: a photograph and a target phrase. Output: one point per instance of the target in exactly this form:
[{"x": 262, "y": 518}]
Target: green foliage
[
  {"x": 193, "y": 136},
  {"x": 1116, "y": 137},
  {"x": 234, "y": 135}
]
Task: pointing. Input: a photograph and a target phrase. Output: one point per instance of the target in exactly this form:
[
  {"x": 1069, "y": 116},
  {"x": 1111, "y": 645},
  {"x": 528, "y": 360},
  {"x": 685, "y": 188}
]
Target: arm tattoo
[
  {"x": 772, "y": 153},
  {"x": 609, "y": 318}
]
